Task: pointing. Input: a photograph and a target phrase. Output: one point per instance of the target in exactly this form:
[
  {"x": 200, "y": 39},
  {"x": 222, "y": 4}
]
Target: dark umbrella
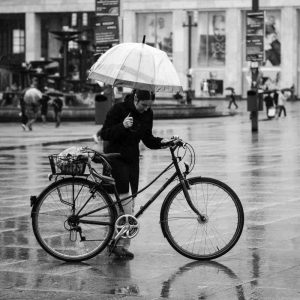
[
  {"x": 268, "y": 92},
  {"x": 229, "y": 88},
  {"x": 286, "y": 90},
  {"x": 54, "y": 93}
]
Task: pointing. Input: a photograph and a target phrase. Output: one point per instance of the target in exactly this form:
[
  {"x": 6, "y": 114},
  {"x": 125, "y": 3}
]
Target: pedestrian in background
[
  {"x": 232, "y": 100},
  {"x": 57, "y": 104},
  {"x": 275, "y": 98},
  {"x": 32, "y": 99},
  {"x": 44, "y": 107},
  {"x": 22, "y": 114},
  {"x": 281, "y": 103},
  {"x": 205, "y": 88},
  {"x": 270, "y": 109}
]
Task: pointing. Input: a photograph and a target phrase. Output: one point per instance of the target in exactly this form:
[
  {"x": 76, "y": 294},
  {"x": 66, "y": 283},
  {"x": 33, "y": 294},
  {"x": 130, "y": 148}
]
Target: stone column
[
  {"x": 233, "y": 67},
  {"x": 32, "y": 36},
  {"x": 289, "y": 49}
]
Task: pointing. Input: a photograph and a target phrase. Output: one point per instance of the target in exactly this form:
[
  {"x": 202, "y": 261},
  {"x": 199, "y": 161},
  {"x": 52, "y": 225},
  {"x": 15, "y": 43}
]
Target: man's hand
[{"x": 128, "y": 121}]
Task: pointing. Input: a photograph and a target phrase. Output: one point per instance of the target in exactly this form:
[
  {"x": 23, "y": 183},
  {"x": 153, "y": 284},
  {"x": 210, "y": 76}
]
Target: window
[
  {"x": 212, "y": 39},
  {"x": 72, "y": 45},
  {"x": 18, "y": 41},
  {"x": 157, "y": 27},
  {"x": 85, "y": 19},
  {"x": 74, "y": 20}
]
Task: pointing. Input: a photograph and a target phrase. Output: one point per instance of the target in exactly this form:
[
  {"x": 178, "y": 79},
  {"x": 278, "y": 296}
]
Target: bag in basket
[{"x": 72, "y": 161}]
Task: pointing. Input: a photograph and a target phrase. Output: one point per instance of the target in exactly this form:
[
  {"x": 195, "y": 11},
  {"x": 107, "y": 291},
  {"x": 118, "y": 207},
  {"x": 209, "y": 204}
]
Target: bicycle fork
[{"x": 186, "y": 187}]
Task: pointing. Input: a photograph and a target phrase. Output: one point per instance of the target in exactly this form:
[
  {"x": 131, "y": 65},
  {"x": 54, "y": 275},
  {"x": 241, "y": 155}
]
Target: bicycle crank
[{"x": 126, "y": 227}]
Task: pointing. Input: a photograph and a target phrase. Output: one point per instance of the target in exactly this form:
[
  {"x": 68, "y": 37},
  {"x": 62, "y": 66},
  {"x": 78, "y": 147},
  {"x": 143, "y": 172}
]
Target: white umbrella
[{"x": 137, "y": 66}]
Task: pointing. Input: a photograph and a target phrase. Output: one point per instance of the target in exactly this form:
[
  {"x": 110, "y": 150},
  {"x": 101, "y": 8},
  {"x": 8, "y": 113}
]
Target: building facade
[{"x": 205, "y": 39}]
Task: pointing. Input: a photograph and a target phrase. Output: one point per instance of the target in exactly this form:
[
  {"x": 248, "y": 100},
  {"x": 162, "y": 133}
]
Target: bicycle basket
[{"x": 68, "y": 164}]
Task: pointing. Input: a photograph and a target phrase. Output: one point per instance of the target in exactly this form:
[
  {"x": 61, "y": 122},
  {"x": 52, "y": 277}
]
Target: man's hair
[{"x": 144, "y": 95}]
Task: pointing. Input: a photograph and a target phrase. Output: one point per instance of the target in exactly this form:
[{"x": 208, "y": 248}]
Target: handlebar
[{"x": 174, "y": 143}]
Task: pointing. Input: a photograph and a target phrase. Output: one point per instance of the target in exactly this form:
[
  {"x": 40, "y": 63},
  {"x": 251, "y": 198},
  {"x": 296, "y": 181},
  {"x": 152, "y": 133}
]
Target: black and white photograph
[{"x": 149, "y": 150}]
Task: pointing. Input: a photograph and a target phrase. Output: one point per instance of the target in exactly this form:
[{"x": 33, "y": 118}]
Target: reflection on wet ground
[{"x": 263, "y": 169}]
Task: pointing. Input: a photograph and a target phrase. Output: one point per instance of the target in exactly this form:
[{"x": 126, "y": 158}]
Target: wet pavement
[{"x": 263, "y": 169}]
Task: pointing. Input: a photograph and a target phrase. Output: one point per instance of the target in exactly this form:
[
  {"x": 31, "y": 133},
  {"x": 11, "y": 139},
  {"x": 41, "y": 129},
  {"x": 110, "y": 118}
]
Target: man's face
[{"x": 142, "y": 105}]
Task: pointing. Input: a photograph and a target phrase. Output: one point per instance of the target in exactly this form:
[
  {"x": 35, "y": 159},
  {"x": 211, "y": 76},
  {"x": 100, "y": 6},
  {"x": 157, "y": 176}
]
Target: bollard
[{"x": 253, "y": 106}]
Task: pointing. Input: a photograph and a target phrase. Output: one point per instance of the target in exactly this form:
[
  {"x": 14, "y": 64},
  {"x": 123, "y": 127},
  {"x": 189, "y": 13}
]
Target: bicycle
[{"x": 75, "y": 217}]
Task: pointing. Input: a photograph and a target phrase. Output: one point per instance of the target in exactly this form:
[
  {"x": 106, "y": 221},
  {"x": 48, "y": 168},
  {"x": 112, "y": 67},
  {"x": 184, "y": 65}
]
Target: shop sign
[
  {"x": 110, "y": 7},
  {"x": 106, "y": 29},
  {"x": 255, "y": 36},
  {"x": 102, "y": 48}
]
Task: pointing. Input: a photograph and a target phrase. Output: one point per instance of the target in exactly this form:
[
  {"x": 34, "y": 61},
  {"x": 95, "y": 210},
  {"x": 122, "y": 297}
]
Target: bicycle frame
[
  {"x": 182, "y": 179},
  {"x": 70, "y": 203}
]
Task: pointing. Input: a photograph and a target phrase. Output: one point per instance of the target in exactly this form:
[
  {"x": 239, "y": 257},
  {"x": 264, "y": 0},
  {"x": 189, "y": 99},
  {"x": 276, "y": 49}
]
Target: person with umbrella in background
[
  {"x": 32, "y": 99},
  {"x": 44, "y": 107},
  {"x": 269, "y": 102},
  {"x": 126, "y": 124},
  {"x": 57, "y": 104}
]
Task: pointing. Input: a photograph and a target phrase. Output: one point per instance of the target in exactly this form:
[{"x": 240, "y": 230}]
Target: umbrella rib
[
  {"x": 154, "y": 74},
  {"x": 139, "y": 64},
  {"x": 121, "y": 68}
]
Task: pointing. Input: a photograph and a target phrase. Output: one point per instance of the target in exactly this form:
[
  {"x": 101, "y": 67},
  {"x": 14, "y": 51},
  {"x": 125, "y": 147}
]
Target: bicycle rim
[
  {"x": 60, "y": 237},
  {"x": 193, "y": 237}
]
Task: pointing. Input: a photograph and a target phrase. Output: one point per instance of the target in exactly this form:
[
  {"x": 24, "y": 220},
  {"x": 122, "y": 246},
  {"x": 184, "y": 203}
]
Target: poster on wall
[
  {"x": 255, "y": 36},
  {"x": 106, "y": 29},
  {"x": 111, "y": 7},
  {"x": 212, "y": 48},
  {"x": 158, "y": 30},
  {"x": 272, "y": 44}
]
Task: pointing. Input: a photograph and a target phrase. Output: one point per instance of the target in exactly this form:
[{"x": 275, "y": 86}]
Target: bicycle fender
[{"x": 34, "y": 200}]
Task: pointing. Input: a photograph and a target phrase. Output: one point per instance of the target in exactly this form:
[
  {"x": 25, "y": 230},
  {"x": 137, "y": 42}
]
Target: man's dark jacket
[{"x": 126, "y": 140}]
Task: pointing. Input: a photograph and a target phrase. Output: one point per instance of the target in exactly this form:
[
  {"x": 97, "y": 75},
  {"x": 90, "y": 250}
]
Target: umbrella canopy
[
  {"x": 137, "y": 66},
  {"x": 32, "y": 96},
  {"x": 54, "y": 93},
  {"x": 286, "y": 90},
  {"x": 267, "y": 92},
  {"x": 229, "y": 88}
]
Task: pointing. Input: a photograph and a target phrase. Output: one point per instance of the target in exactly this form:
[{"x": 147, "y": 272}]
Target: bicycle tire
[
  {"x": 197, "y": 239},
  {"x": 51, "y": 219}
]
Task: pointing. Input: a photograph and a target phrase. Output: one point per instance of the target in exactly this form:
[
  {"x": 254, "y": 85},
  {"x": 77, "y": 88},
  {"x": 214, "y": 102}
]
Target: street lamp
[{"x": 189, "y": 25}]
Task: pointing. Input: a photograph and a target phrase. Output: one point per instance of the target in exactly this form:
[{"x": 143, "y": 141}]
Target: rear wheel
[
  {"x": 59, "y": 227},
  {"x": 209, "y": 236}
]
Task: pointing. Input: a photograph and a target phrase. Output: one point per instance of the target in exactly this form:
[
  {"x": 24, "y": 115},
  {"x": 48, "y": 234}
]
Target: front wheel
[
  {"x": 73, "y": 220},
  {"x": 208, "y": 235}
]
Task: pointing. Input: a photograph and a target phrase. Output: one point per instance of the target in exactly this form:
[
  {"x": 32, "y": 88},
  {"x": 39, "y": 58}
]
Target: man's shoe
[{"x": 122, "y": 253}]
